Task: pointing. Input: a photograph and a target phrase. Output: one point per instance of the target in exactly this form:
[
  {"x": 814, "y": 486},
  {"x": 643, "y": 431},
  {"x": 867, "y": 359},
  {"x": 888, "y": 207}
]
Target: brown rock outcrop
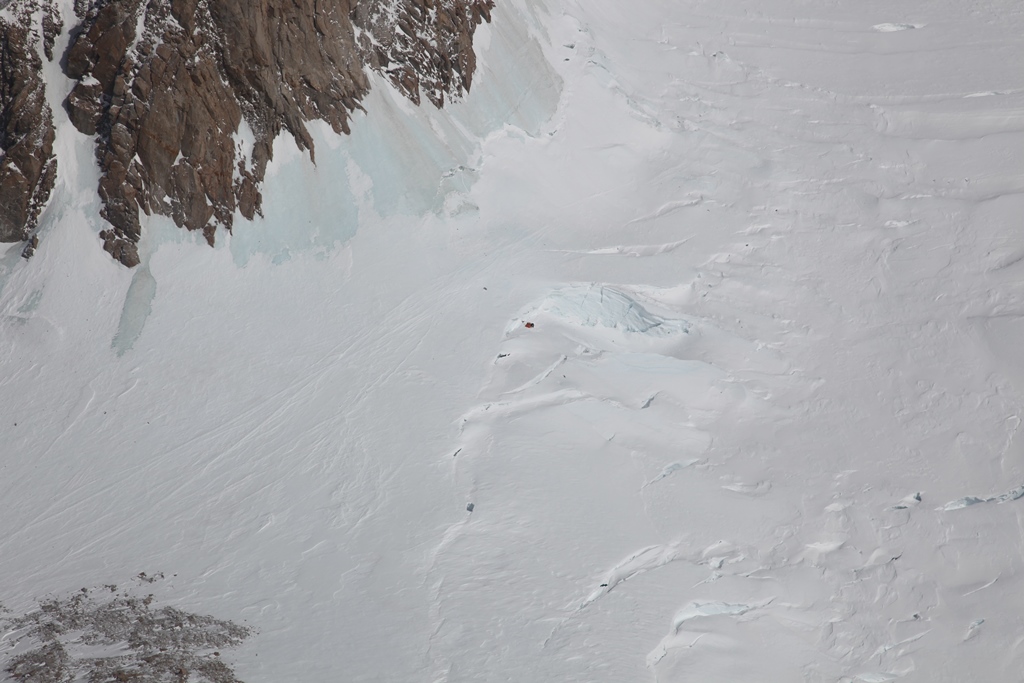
[
  {"x": 27, "y": 165},
  {"x": 166, "y": 102},
  {"x": 422, "y": 45}
]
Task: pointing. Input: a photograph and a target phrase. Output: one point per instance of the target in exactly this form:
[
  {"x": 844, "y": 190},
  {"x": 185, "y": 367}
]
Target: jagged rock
[
  {"x": 165, "y": 105},
  {"x": 27, "y": 165},
  {"x": 433, "y": 50},
  {"x": 30, "y": 247},
  {"x": 121, "y": 249}
]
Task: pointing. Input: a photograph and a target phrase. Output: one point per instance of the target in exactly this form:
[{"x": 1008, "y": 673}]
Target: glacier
[{"x": 771, "y": 258}]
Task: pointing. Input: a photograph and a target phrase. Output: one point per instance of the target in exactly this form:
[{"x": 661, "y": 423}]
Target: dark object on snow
[
  {"x": 469, "y": 508},
  {"x": 529, "y": 326}
]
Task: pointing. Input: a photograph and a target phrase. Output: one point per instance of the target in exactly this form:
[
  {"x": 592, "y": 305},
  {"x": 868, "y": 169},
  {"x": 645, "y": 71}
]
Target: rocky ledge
[{"x": 164, "y": 87}]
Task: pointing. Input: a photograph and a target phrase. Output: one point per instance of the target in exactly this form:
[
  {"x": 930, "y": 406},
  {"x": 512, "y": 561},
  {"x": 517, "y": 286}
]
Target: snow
[{"x": 771, "y": 257}]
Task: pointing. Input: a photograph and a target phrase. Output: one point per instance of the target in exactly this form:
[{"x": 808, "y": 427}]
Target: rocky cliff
[
  {"x": 164, "y": 86},
  {"x": 27, "y": 166}
]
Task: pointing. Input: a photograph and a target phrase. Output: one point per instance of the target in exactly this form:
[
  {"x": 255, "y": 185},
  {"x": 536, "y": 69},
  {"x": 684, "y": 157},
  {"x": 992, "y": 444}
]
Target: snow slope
[{"x": 763, "y": 425}]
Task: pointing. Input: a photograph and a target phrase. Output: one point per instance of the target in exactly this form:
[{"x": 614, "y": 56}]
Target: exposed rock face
[
  {"x": 27, "y": 166},
  {"x": 422, "y": 44},
  {"x": 164, "y": 85}
]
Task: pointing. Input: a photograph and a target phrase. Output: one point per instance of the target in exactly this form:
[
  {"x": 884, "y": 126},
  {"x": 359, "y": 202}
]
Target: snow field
[{"x": 764, "y": 426}]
